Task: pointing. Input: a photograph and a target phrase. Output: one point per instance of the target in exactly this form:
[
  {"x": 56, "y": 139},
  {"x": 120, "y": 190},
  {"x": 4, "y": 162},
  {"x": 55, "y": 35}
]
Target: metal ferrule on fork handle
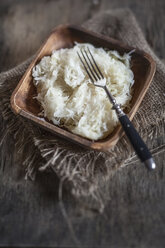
[{"x": 115, "y": 105}]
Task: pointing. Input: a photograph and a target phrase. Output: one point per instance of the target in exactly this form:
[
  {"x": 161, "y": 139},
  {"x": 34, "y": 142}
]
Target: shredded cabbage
[{"x": 69, "y": 99}]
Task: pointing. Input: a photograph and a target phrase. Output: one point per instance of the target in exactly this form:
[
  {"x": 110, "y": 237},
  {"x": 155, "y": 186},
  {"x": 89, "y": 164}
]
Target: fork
[{"x": 98, "y": 79}]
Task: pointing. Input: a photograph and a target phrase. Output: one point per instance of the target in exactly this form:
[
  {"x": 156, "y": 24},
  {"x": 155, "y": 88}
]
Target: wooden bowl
[{"x": 23, "y": 102}]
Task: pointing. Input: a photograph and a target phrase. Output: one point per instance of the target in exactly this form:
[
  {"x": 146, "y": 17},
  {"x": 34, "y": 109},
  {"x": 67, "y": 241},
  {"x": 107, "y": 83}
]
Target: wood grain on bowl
[{"x": 64, "y": 36}]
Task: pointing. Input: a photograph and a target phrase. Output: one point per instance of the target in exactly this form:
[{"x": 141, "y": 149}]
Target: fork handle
[
  {"x": 133, "y": 136},
  {"x": 137, "y": 142}
]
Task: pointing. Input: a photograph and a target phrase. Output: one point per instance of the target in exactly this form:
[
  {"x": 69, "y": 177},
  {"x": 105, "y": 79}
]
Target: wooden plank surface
[{"x": 30, "y": 213}]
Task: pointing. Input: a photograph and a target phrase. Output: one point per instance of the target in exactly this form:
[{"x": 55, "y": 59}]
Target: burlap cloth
[{"x": 84, "y": 172}]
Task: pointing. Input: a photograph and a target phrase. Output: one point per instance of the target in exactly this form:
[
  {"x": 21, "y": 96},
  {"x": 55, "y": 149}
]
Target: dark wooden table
[{"x": 30, "y": 213}]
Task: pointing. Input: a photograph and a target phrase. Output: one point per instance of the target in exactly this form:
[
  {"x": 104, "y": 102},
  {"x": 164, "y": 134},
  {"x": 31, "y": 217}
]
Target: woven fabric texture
[{"x": 85, "y": 172}]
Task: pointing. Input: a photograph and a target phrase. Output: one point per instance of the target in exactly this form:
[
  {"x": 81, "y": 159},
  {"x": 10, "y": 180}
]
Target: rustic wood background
[{"x": 30, "y": 213}]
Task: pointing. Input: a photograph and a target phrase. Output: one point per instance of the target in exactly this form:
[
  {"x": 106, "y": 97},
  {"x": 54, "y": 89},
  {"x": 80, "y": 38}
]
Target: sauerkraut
[{"x": 69, "y": 99}]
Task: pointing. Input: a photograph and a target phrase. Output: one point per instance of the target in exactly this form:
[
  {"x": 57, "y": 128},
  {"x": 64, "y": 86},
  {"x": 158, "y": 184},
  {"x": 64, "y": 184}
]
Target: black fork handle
[
  {"x": 133, "y": 136},
  {"x": 137, "y": 142}
]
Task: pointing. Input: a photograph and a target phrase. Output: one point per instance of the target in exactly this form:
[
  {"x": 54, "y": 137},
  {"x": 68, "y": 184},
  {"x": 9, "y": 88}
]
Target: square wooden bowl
[{"x": 64, "y": 36}]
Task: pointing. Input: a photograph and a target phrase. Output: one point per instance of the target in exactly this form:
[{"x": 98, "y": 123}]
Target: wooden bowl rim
[{"x": 100, "y": 144}]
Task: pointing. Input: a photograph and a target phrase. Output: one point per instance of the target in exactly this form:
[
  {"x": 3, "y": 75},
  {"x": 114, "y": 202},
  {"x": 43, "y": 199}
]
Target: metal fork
[{"x": 96, "y": 76}]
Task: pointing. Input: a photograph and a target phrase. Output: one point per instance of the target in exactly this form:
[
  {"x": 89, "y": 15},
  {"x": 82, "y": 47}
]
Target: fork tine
[
  {"x": 95, "y": 63},
  {"x": 89, "y": 67},
  {"x": 92, "y": 65},
  {"x": 91, "y": 78}
]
